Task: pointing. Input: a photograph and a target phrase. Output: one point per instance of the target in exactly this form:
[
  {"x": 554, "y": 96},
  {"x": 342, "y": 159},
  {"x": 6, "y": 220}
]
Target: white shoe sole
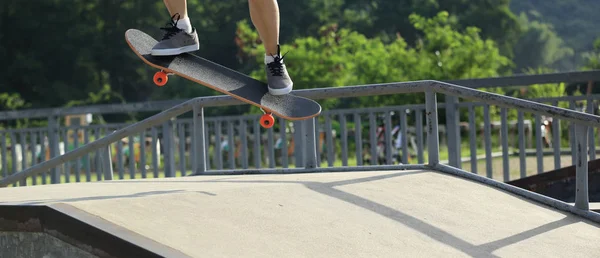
[
  {"x": 175, "y": 51},
  {"x": 281, "y": 91}
]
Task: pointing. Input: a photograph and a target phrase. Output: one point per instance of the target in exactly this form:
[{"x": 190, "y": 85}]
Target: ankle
[
  {"x": 185, "y": 24},
  {"x": 271, "y": 57}
]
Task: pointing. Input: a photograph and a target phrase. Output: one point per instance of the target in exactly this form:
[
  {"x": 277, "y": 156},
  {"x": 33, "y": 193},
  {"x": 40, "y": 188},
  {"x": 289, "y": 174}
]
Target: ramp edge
[{"x": 82, "y": 230}]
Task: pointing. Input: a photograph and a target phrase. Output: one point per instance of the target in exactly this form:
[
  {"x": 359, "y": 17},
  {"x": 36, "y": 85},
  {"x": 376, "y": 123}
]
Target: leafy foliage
[
  {"x": 575, "y": 21},
  {"x": 344, "y": 57},
  {"x": 540, "y": 46},
  {"x": 73, "y": 52},
  {"x": 593, "y": 57}
]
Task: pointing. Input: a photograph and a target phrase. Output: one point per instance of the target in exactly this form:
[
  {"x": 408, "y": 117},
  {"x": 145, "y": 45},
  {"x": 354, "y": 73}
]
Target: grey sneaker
[
  {"x": 176, "y": 41},
  {"x": 278, "y": 79}
]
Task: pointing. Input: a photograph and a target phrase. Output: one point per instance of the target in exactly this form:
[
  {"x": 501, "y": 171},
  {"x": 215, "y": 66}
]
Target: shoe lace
[
  {"x": 172, "y": 29},
  {"x": 276, "y": 67}
]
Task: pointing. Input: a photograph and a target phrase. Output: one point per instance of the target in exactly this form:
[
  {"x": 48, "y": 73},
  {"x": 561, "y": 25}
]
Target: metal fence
[
  {"x": 237, "y": 142},
  {"x": 338, "y": 140}
]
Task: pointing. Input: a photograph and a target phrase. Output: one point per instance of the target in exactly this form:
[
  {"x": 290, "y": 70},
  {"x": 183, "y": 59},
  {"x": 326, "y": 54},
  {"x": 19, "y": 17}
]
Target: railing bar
[
  {"x": 299, "y": 140},
  {"x": 487, "y": 141},
  {"x": 14, "y": 161},
  {"x": 23, "y": 138},
  {"x": 556, "y": 140},
  {"x": 504, "y": 141},
  {"x": 420, "y": 134},
  {"x": 132, "y": 171},
  {"x": 591, "y": 135},
  {"x": 77, "y": 170},
  {"x": 404, "y": 136},
  {"x": 142, "y": 163},
  {"x": 42, "y": 141},
  {"x": 120, "y": 159},
  {"x": 257, "y": 140},
  {"x": 344, "y": 138},
  {"x": 572, "y": 106},
  {"x": 581, "y": 168},
  {"x": 472, "y": 138},
  {"x": 515, "y": 103},
  {"x": 182, "y": 144},
  {"x": 231, "y": 144},
  {"x": 284, "y": 147},
  {"x": 66, "y": 165},
  {"x": 373, "y": 138},
  {"x": 98, "y": 155},
  {"x": 155, "y": 148},
  {"x": 330, "y": 146},
  {"x": 388, "y": 137},
  {"x": 270, "y": 147},
  {"x": 244, "y": 141},
  {"x": 522, "y": 158},
  {"x": 86, "y": 157},
  {"x": 218, "y": 141},
  {"x": 539, "y": 144},
  {"x": 33, "y": 143},
  {"x": 358, "y": 138},
  {"x": 311, "y": 143},
  {"x": 318, "y": 142}
]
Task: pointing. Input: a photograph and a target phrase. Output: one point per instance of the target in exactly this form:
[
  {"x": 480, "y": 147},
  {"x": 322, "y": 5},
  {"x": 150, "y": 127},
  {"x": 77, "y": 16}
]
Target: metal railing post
[
  {"x": 581, "y": 166},
  {"x": 433, "y": 143},
  {"x": 199, "y": 155},
  {"x": 106, "y": 161},
  {"x": 311, "y": 144},
  {"x": 453, "y": 132},
  {"x": 299, "y": 143},
  {"x": 169, "y": 147},
  {"x": 53, "y": 140}
]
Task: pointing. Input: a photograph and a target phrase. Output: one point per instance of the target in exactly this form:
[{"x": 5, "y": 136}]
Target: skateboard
[{"x": 222, "y": 79}]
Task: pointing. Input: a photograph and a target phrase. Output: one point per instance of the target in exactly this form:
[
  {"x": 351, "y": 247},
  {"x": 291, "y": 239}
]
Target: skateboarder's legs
[
  {"x": 265, "y": 17},
  {"x": 182, "y": 37}
]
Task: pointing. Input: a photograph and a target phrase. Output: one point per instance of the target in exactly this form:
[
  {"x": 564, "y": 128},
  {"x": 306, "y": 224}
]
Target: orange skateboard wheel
[
  {"x": 267, "y": 120},
  {"x": 160, "y": 78}
]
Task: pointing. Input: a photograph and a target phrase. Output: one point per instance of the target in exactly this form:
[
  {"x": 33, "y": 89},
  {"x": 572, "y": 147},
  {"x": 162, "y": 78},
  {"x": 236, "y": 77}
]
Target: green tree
[
  {"x": 340, "y": 57},
  {"x": 575, "y": 21},
  {"x": 390, "y": 17},
  {"x": 540, "y": 46},
  {"x": 79, "y": 46},
  {"x": 593, "y": 57}
]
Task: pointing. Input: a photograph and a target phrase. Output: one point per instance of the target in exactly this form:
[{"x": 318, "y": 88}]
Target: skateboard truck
[{"x": 267, "y": 120}]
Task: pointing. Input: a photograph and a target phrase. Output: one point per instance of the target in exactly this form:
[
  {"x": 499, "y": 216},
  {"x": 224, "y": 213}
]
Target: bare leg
[
  {"x": 177, "y": 6},
  {"x": 265, "y": 17}
]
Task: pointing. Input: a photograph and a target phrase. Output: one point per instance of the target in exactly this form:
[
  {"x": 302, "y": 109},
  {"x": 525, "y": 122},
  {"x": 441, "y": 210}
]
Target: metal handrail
[
  {"x": 337, "y": 92},
  {"x": 225, "y": 100}
]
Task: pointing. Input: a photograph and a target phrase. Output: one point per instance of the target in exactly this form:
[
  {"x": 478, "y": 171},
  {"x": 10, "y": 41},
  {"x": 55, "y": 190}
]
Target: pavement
[{"x": 408, "y": 213}]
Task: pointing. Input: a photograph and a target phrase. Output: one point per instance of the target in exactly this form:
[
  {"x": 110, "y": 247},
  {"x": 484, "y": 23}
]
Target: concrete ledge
[{"x": 79, "y": 229}]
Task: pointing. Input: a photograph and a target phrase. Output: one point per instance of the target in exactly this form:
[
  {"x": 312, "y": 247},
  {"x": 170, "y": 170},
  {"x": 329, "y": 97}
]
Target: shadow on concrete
[
  {"x": 491, "y": 246},
  {"x": 328, "y": 189}
]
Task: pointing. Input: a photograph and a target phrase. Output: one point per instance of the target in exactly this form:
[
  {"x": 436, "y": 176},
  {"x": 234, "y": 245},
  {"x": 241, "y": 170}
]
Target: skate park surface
[{"x": 407, "y": 213}]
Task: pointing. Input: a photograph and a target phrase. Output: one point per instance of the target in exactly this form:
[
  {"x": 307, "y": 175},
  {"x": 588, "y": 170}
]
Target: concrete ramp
[{"x": 411, "y": 213}]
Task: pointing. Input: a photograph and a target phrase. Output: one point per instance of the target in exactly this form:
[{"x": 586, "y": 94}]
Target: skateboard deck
[{"x": 222, "y": 79}]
